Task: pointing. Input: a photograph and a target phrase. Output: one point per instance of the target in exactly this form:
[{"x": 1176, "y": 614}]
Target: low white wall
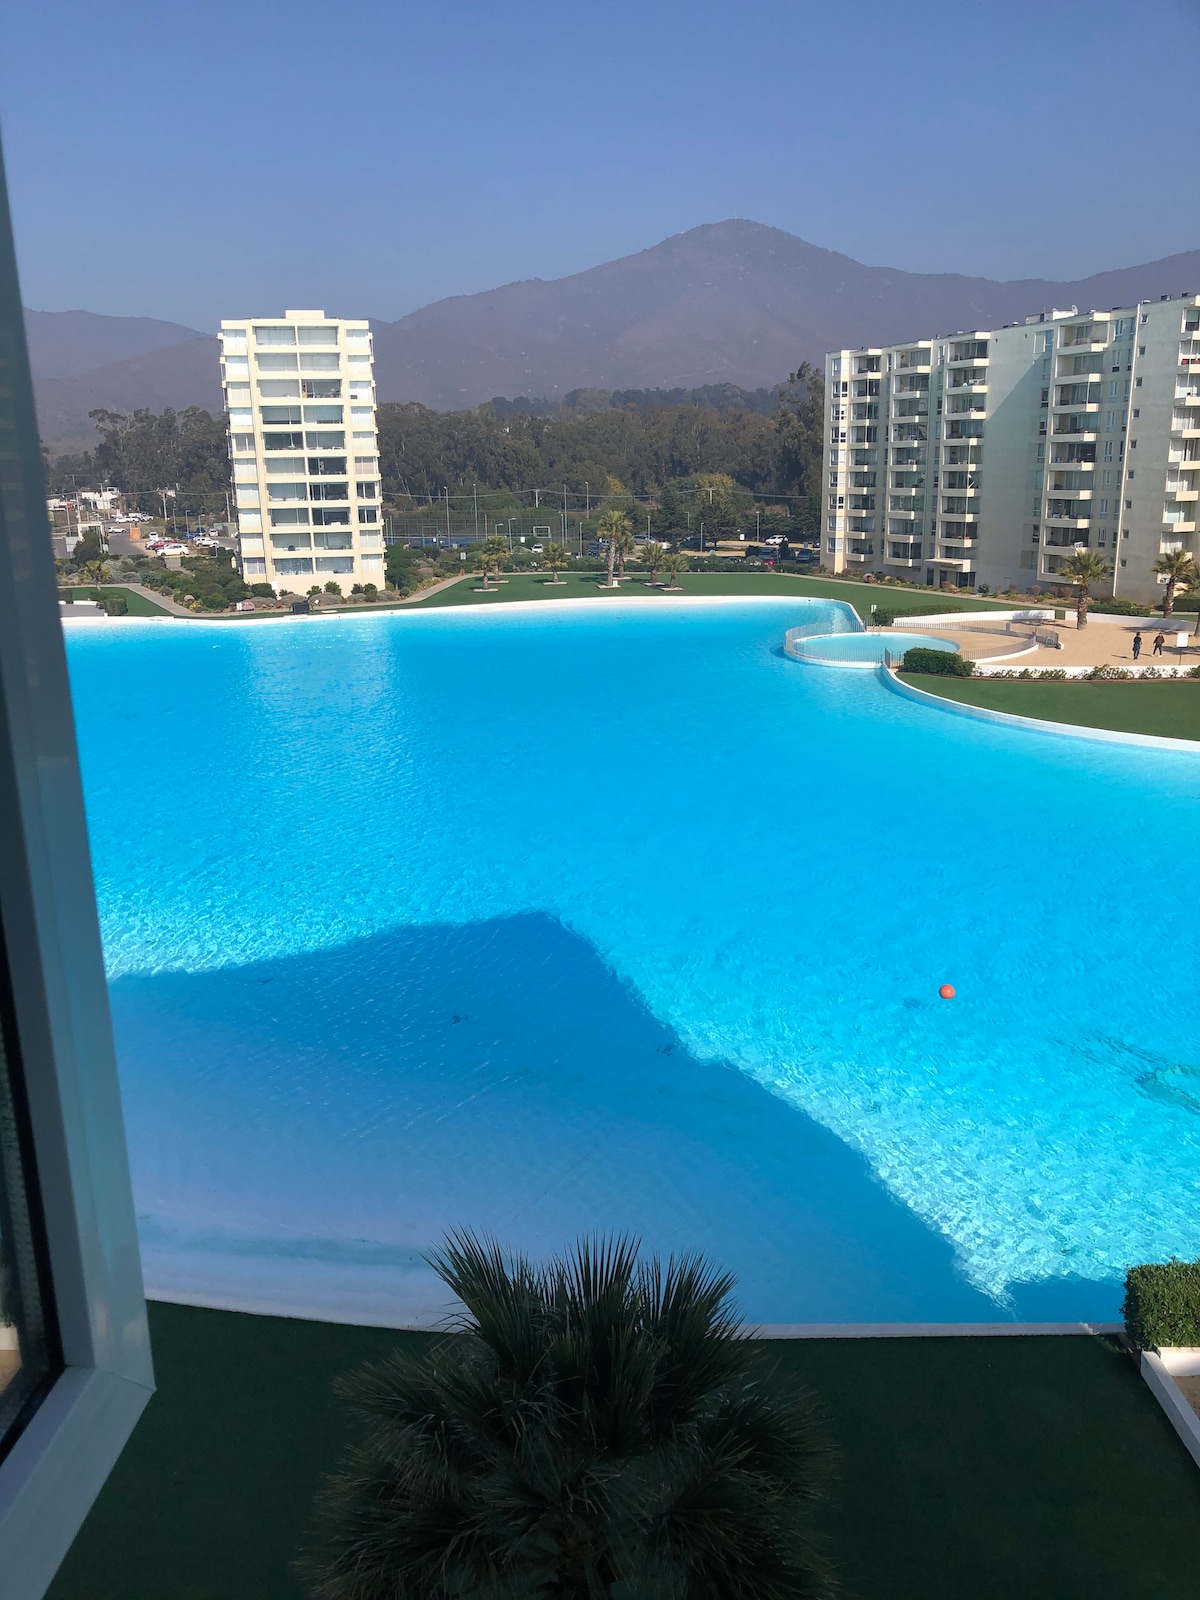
[{"x": 1157, "y": 1371}]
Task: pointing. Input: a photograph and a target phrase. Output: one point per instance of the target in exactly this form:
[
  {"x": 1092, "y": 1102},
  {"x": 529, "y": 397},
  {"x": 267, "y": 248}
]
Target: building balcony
[
  {"x": 1082, "y": 434},
  {"x": 1178, "y": 492},
  {"x": 1174, "y": 526},
  {"x": 1187, "y": 397},
  {"x": 905, "y": 561},
  {"x": 954, "y": 556}
]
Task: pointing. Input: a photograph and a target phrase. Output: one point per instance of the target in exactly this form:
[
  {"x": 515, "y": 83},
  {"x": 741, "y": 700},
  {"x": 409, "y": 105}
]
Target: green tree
[
  {"x": 1180, "y": 571},
  {"x": 333, "y": 587},
  {"x": 614, "y": 526},
  {"x": 556, "y": 558},
  {"x": 597, "y": 1426},
  {"x": 673, "y": 564},
  {"x": 95, "y": 572},
  {"x": 652, "y": 555},
  {"x": 1083, "y": 568},
  {"x": 491, "y": 556}
]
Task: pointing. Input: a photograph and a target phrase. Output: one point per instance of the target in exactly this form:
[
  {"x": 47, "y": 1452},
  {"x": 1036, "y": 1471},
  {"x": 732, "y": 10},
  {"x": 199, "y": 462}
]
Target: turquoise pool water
[
  {"x": 869, "y": 647},
  {"x": 563, "y": 917}
]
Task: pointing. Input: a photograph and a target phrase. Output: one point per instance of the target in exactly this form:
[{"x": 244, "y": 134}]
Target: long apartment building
[
  {"x": 988, "y": 456},
  {"x": 300, "y": 394}
]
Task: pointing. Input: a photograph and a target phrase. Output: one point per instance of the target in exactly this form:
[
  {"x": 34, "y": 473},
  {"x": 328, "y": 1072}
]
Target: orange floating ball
[{"x": 947, "y": 991}]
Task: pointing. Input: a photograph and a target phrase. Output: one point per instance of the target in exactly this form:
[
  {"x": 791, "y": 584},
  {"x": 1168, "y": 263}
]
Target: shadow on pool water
[{"x": 303, "y": 1129}]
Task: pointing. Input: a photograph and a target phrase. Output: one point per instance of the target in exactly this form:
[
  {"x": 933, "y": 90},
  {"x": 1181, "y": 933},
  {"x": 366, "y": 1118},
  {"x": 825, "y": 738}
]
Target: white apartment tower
[
  {"x": 300, "y": 394},
  {"x": 987, "y": 456}
]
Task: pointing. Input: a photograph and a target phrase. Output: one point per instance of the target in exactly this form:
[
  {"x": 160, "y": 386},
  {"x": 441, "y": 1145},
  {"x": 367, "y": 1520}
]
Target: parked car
[
  {"x": 537, "y": 550},
  {"x": 776, "y": 538}
]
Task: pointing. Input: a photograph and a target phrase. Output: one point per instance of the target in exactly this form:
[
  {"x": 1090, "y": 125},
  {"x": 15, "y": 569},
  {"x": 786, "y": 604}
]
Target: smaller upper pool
[{"x": 865, "y": 649}]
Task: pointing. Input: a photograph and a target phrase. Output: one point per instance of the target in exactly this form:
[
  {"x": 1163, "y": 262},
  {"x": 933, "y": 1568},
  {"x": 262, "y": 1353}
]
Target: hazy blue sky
[{"x": 193, "y": 160}]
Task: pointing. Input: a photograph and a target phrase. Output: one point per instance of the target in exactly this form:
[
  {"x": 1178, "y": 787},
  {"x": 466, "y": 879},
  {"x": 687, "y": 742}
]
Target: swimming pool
[
  {"x": 867, "y": 649},
  {"x": 547, "y": 918}
]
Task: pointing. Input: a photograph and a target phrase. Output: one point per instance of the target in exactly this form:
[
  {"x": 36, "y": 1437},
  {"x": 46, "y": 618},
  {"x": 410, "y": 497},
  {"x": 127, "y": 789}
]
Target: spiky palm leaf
[{"x": 595, "y": 1427}]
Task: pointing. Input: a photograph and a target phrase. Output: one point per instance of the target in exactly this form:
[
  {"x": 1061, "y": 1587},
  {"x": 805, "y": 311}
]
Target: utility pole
[
  {"x": 537, "y": 498},
  {"x": 475, "y": 493},
  {"x": 587, "y": 498},
  {"x": 447, "y": 493}
]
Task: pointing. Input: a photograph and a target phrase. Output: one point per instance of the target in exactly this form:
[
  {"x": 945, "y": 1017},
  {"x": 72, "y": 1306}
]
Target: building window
[
  {"x": 368, "y": 513},
  {"x": 330, "y": 516},
  {"x": 335, "y": 563},
  {"x": 293, "y": 567},
  {"x": 321, "y": 388},
  {"x": 269, "y": 336},
  {"x": 278, "y": 389},
  {"x": 292, "y": 516},
  {"x": 326, "y": 440},
  {"x": 322, "y": 333},
  {"x": 323, "y": 413}
]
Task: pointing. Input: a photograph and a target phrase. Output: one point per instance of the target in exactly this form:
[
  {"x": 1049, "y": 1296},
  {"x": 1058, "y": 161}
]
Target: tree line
[{"x": 647, "y": 445}]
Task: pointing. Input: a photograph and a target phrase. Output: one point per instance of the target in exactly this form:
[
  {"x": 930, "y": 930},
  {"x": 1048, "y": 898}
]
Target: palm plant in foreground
[
  {"x": 1180, "y": 570},
  {"x": 555, "y": 558},
  {"x": 614, "y": 526},
  {"x": 1084, "y": 567},
  {"x": 596, "y": 1428},
  {"x": 652, "y": 556},
  {"x": 673, "y": 565}
]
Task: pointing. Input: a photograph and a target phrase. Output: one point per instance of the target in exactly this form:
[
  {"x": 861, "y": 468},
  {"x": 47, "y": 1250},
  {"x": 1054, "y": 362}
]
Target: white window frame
[{"x": 56, "y": 1464}]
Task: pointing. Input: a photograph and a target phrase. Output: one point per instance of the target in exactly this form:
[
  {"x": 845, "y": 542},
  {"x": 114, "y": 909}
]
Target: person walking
[
  {"x": 1137, "y": 644},
  {"x": 1159, "y": 640}
]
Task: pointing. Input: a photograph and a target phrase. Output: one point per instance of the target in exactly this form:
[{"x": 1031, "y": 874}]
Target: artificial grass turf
[
  {"x": 589, "y": 585},
  {"x": 139, "y": 604},
  {"x": 1163, "y": 707},
  {"x": 970, "y": 1469}
]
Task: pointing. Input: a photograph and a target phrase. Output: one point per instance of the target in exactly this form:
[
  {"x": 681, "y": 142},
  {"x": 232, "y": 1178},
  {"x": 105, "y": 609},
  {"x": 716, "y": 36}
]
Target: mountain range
[{"x": 729, "y": 302}]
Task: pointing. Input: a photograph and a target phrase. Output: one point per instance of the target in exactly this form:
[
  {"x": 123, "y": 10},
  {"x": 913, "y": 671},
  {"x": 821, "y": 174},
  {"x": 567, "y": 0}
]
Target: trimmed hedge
[
  {"x": 1162, "y": 1304},
  {"x": 942, "y": 663}
]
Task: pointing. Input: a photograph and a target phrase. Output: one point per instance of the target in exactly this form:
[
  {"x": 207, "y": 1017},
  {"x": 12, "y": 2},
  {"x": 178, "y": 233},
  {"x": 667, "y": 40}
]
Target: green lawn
[
  {"x": 588, "y": 585},
  {"x": 1170, "y": 708},
  {"x": 139, "y": 604},
  {"x": 971, "y": 1469}
]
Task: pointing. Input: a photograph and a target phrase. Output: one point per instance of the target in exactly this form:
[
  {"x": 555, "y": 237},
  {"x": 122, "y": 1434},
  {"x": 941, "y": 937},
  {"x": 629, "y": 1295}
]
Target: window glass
[
  {"x": 318, "y": 335},
  {"x": 279, "y": 413},
  {"x": 274, "y": 336},
  {"x": 283, "y": 441},
  {"x": 278, "y": 389},
  {"x": 242, "y": 441},
  {"x": 290, "y": 517},
  {"x": 335, "y": 563},
  {"x": 321, "y": 388},
  {"x": 293, "y": 568},
  {"x": 357, "y": 335},
  {"x": 318, "y": 361},
  {"x": 361, "y": 413},
  {"x": 285, "y": 466},
  {"x": 28, "y": 1338},
  {"x": 323, "y": 413},
  {"x": 241, "y": 419},
  {"x": 325, "y": 441},
  {"x": 331, "y": 516},
  {"x": 287, "y": 491},
  {"x": 279, "y": 361}
]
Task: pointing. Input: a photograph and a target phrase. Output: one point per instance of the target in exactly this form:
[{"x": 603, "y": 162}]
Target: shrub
[
  {"x": 1162, "y": 1304},
  {"x": 332, "y": 587},
  {"x": 264, "y": 591},
  {"x": 370, "y": 592},
  {"x": 882, "y": 618},
  {"x": 1108, "y": 674},
  {"x": 1123, "y": 608},
  {"x": 942, "y": 663},
  {"x": 115, "y": 605}
]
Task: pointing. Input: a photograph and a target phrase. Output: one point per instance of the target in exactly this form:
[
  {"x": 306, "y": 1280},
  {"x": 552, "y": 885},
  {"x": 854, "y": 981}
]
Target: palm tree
[
  {"x": 611, "y": 526},
  {"x": 491, "y": 554},
  {"x": 556, "y": 558},
  {"x": 1180, "y": 570},
  {"x": 625, "y": 544},
  {"x": 674, "y": 564},
  {"x": 95, "y": 572},
  {"x": 597, "y": 1426},
  {"x": 1084, "y": 567},
  {"x": 652, "y": 557}
]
